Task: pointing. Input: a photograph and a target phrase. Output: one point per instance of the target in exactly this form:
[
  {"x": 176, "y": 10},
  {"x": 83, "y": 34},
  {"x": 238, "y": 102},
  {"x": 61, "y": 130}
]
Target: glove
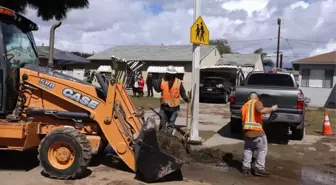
[{"x": 274, "y": 107}]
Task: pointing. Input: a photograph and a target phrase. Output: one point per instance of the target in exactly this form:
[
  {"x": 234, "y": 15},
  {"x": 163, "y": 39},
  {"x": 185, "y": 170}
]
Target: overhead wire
[
  {"x": 249, "y": 46},
  {"x": 235, "y": 41},
  {"x": 292, "y": 49},
  {"x": 313, "y": 41}
]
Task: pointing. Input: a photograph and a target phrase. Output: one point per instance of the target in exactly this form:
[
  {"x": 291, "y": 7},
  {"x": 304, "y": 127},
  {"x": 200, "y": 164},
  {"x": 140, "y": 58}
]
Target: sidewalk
[{"x": 212, "y": 117}]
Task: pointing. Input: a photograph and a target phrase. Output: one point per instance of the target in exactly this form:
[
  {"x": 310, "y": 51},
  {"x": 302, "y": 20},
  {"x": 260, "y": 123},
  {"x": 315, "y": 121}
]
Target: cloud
[
  {"x": 301, "y": 4},
  {"x": 246, "y": 24},
  {"x": 249, "y": 6},
  {"x": 331, "y": 46}
]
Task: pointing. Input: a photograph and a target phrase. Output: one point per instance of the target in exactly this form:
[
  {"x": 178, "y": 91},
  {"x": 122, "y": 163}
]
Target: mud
[
  {"x": 174, "y": 146},
  {"x": 288, "y": 164}
]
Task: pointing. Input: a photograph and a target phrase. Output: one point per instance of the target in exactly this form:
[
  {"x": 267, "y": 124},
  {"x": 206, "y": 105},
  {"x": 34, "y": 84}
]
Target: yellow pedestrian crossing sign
[{"x": 199, "y": 33}]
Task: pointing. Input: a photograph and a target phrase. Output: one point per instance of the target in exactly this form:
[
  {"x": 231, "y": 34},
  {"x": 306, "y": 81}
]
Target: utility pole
[
  {"x": 194, "y": 134},
  {"x": 281, "y": 57},
  {"x": 278, "y": 48}
]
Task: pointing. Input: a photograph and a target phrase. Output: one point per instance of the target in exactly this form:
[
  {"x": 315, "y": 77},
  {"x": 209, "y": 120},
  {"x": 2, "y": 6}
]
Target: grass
[
  {"x": 147, "y": 102},
  {"x": 314, "y": 120}
]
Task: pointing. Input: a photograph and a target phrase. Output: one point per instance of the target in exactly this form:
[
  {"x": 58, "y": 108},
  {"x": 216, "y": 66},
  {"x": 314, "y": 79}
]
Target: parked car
[
  {"x": 215, "y": 88},
  {"x": 273, "y": 88}
]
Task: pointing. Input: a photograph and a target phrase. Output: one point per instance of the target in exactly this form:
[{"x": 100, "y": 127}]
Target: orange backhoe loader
[{"x": 69, "y": 120}]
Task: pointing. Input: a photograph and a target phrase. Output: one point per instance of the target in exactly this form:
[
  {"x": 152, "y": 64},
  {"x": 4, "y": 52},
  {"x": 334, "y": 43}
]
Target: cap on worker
[{"x": 171, "y": 70}]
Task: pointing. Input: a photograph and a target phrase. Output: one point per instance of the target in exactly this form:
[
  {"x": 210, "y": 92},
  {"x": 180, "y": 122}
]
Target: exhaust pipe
[{"x": 51, "y": 44}]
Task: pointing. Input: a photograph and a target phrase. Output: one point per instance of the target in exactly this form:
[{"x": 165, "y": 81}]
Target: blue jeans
[{"x": 168, "y": 119}]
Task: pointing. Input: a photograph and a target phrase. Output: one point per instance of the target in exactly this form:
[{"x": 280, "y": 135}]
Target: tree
[
  {"x": 266, "y": 62},
  {"x": 46, "y": 9},
  {"x": 222, "y": 45}
]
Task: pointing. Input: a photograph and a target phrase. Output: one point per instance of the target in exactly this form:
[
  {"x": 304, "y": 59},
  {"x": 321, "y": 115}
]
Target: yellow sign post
[{"x": 199, "y": 33}]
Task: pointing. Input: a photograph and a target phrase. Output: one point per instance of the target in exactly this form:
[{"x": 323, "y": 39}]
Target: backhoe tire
[{"x": 64, "y": 154}]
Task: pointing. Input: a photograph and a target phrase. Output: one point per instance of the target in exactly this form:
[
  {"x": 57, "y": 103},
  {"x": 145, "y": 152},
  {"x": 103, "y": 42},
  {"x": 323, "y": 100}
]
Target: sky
[{"x": 308, "y": 27}]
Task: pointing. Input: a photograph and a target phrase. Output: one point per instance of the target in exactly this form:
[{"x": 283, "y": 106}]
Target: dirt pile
[{"x": 173, "y": 145}]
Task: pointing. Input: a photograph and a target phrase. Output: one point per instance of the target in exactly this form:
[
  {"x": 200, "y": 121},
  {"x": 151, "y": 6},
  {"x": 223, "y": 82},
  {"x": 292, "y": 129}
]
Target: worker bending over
[
  {"x": 171, "y": 90},
  {"x": 254, "y": 135}
]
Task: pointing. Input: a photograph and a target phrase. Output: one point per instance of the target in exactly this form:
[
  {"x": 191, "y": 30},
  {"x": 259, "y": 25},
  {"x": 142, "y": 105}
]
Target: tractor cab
[{"x": 17, "y": 47}]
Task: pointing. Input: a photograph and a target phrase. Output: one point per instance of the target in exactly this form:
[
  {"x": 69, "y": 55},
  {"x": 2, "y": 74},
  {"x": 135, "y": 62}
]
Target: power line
[
  {"x": 290, "y": 47},
  {"x": 104, "y": 44},
  {"x": 302, "y": 43},
  {"x": 248, "y": 40},
  {"x": 323, "y": 42},
  {"x": 251, "y": 45}
]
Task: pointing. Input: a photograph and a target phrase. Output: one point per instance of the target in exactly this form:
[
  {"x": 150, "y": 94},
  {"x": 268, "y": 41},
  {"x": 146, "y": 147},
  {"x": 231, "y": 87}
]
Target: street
[{"x": 307, "y": 162}]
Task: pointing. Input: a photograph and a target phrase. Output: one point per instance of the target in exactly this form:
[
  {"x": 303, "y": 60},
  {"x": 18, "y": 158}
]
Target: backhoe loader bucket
[{"x": 152, "y": 164}]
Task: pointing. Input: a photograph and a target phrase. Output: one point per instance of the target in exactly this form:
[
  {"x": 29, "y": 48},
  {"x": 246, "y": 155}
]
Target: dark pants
[
  {"x": 168, "y": 119},
  {"x": 150, "y": 90},
  {"x": 139, "y": 91}
]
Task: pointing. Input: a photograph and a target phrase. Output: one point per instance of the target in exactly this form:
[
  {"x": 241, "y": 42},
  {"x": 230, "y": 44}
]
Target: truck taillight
[
  {"x": 300, "y": 102},
  {"x": 232, "y": 97},
  {"x": 232, "y": 100}
]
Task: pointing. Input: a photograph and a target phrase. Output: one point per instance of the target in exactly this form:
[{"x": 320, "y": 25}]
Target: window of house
[
  {"x": 328, "y": 80},
  {"x": 305, "y": 78}
]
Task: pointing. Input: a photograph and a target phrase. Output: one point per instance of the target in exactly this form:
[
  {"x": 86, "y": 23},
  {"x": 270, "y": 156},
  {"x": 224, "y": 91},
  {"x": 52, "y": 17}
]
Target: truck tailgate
[{"x": 282, "y": 96}]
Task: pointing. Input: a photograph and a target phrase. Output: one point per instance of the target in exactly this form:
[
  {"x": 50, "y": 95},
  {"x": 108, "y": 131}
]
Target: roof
[
  {"x": 162, "y": 69},
  {"x": 152, "y": 53},
  {"x": 105, "y": 68},
  {"x": 239, "y": 59},
  {"x": 62, "y": 57},
  {"x": 326, "y": 58}
]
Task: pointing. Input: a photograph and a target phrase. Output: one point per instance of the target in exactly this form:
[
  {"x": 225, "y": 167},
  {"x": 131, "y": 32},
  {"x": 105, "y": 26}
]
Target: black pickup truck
[{"x": 273, "y": 88}]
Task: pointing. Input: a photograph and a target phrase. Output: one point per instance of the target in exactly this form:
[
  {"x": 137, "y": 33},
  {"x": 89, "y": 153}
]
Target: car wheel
[
  {"x": 235, "y": 125},
  {"x": 298, "y": 134}
]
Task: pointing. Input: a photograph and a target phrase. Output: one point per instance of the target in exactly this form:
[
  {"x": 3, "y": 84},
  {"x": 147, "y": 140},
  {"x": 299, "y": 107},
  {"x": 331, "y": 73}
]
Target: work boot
[
  {"x": 262, "y": 173},
  {"x": 13, "y": 118},
  {"x": 246, "y": 171}
]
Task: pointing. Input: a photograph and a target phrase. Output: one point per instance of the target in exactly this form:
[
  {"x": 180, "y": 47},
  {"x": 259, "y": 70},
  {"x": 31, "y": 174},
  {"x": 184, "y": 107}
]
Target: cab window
[{"x": 19, "y": 45}]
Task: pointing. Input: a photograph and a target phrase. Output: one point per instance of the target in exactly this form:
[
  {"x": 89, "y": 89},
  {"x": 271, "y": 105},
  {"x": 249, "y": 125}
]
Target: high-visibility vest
[
  {"x": 251, "y": 118},
  {"x": 170, "y": 97}
]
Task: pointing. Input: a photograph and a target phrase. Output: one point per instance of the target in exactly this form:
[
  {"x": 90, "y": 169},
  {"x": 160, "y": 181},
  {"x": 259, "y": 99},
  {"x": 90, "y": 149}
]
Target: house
[
  {"x": 127, "y": 61},
  {"x": 317, "y": 78},
  {"x": 234, "y": 67},
  {"x": 63, "y": 60}
]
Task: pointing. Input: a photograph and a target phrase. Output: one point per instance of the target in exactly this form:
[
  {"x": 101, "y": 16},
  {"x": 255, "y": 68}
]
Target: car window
[
  {"x": 212, "y": 81},
  {"x": 283, "y": 80}
]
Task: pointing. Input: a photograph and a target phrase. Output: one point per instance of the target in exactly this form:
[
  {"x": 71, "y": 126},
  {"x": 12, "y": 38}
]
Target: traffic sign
[{"x": 199, "y": 33}]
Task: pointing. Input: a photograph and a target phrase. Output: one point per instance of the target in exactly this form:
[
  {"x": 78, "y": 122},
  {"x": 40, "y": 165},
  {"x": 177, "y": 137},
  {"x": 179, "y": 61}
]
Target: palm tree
[{"x": 46, "y": 9}]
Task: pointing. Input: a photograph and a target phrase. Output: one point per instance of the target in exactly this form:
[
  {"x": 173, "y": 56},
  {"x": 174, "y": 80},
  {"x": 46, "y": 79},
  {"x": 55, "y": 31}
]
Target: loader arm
[{"x": 116, "y": 116}]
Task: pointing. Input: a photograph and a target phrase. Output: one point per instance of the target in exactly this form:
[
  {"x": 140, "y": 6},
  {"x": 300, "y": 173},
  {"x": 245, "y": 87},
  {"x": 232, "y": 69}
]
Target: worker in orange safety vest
[
  {"x": 254, "y": 135},
  {"x": 171, "y": 90}
]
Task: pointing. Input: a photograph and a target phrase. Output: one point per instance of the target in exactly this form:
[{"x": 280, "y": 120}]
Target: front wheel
[{"x": 64, "y": 154}]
